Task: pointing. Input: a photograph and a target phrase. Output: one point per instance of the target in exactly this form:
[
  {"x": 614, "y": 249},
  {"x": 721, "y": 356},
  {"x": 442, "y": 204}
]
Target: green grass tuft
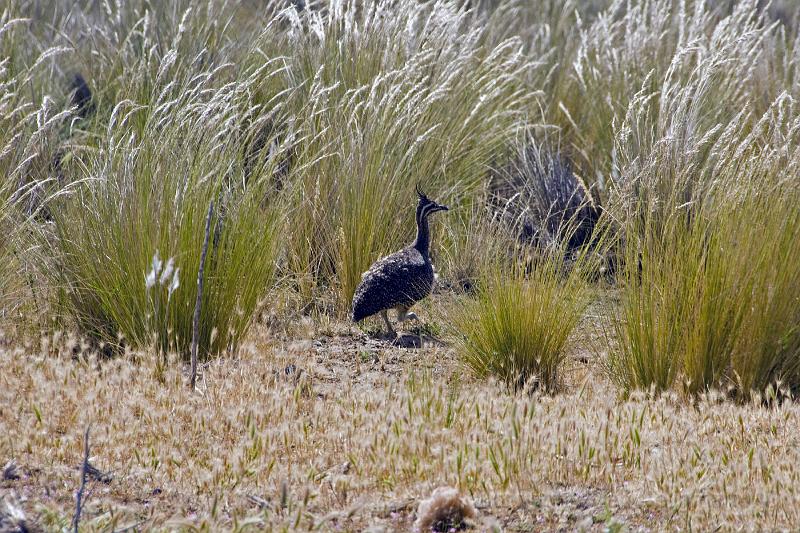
[
  {"x": 147, "y": 193},
  {"x": 517, "y": 324}
]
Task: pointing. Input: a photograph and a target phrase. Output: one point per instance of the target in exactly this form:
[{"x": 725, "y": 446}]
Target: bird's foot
[
  {"x": 407, "y": 316},
  {"x": 408, "y": 341}
]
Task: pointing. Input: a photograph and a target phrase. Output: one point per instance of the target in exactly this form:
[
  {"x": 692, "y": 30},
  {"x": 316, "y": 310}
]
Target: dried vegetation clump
[
  {"x": 444, "y": 510},
  {"x": 540, "y": 200}
]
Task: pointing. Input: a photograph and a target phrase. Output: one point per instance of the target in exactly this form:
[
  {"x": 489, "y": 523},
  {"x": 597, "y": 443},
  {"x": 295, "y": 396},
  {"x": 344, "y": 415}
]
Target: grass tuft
[{"x": 517, "y": 324}]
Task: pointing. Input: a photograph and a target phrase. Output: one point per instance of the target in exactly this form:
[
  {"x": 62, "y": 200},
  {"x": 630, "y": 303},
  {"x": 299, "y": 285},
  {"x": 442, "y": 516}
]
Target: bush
[{"x": 516, "y": 325}]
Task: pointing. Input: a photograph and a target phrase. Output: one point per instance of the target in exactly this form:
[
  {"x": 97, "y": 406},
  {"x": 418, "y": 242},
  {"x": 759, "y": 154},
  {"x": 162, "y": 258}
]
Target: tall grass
[
  {"x": 703, "y": 165},
  {"x": 677, "y": 317},
  {"x": 710, "y": 293},
  {"x": 713, "y": 304},
  {"x": 396, "y": 100},
  {"x": 146, "y": 192}
]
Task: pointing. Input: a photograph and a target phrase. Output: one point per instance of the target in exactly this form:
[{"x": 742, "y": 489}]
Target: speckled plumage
[{"x": 401, "y": 279}]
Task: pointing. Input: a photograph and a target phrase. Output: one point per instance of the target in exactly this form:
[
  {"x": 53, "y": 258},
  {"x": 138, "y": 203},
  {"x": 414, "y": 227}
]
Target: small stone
[{"x": 445, "y": 510}]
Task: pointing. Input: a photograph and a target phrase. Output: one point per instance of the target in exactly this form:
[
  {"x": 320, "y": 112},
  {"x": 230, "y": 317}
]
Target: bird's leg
[
  {"x": 391, "y": 332},
  {"x": 403, "y": 314}
]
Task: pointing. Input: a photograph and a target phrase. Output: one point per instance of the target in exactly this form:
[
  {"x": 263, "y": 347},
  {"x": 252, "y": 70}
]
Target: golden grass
[{"x": 360, "y": 433}]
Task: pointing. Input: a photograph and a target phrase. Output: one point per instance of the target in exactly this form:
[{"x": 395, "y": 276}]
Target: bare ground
[{"x": 335, "y": 431}]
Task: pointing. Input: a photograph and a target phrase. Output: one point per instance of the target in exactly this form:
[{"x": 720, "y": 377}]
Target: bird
[
  {"x": 81, "y": 97},
  {"x": 401, "y": 279}
]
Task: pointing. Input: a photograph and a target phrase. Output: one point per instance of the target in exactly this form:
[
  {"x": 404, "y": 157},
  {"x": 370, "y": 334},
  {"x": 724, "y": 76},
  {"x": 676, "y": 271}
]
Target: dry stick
[
  {"x": 84, "y": 468},
  {"x": 196, "y": 320}
]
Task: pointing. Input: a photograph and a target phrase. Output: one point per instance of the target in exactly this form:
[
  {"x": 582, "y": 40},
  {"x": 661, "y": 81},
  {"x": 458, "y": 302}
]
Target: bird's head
[{"x": 427, "y": 206}]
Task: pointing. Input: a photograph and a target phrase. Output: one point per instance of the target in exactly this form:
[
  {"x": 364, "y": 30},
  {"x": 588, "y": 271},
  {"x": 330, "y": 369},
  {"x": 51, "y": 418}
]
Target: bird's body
[
  {"x": 397, "y": 280},
  {"x": 401, "y": 279}
]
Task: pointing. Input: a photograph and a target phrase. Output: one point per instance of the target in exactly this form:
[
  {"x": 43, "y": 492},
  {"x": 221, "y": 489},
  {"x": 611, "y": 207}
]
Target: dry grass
[{"x": 359, "y": 433}]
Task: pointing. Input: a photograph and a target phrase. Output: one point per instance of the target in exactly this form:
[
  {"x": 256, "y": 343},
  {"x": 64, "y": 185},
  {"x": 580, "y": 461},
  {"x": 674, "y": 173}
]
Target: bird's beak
[{"x": 440, "y": 207}]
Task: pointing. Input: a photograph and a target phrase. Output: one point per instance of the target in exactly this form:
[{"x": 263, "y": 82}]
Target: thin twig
[
  {"x": 84, "y": 468},
  {"x": 260, "y": 502},
  {"x": 196, "y": 320}
]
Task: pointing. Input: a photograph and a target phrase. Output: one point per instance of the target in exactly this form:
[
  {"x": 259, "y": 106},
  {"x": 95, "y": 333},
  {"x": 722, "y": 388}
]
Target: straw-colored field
[{"x": 357, "y": 433}]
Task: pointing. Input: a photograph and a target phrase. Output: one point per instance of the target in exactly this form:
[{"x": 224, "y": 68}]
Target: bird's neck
[{"x": 423, "y": 241}]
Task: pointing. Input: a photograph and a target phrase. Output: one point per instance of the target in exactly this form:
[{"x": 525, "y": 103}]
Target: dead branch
[
  {"x": 196, "y": 319},
  {"x": 79, "y": 496}
]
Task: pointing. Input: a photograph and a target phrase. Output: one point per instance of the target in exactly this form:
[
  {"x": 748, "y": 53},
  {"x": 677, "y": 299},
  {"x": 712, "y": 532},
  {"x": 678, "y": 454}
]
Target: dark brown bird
[
  {"x": 400, "y": 280},
  {"x": 81, "y": 96}
]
